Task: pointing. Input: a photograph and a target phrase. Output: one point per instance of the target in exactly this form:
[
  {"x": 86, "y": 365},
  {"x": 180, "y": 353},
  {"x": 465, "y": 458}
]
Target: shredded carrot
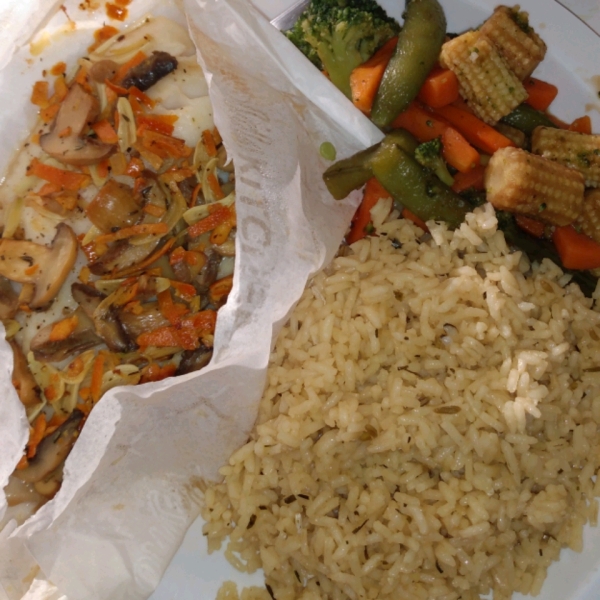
[
  {"x": 47, "y": 189},
  {"x": 209, "y": 142},
  {"x": 97, "y": 374},
  {"x": 177, "y": 256},
  {"x": 220, "y": 289},
  {"x": 141, "y": 97},
  {"x": 48, "y": 114},
  {"x": 218, "y": 215},
  {"x": 361, "y": 222},
  {"x": 187, "y": 335},
  {"x": 154, "y": 210},
  {"x": 103, "y": 168},
  {"x": 54, "y": 423},
  {"x": 440, "y": 88},
  {"x": 69, "y": 180},
  {"x": 66, "y": 132},
  {"x": 366, "y": 78},
  {"x": 84, "y": 393},
  {"x": 60, "y": 90},
  {"x": 82, "y": 79},
  {"x": 126, "y": 232},
  {"x": 169, "y": 310},
  {"x": 540, "y": 93},
  {"x": 215, "y": 186},
  {"x": 195, "y": 192},
  {"x": 62, "y": 329},
  {"x": 478, "y": 133},
  {"x": 472, "y": 179},
  {"x": 39, "y": 95},
  {"x": 164, "y": 146},
  {"x": 105, "y": 131},
  {"x": 159, "y": 123},
  {"x": 134, "y": 167},
  {"x": 410, "y": 216},
  {"x": 117, "y": 89},
  {"x": 133, "y": 62},
  {"x": 154, "y": 372},
  {"x": 183, "y": 290},
  {"x": 576, "y": 251},
  {"x": 531, "y": 226},
  {"x": 32, "y": 269},
  {"x": 60, "y": 68},
  {"x": 582, "y": 125},
  {"x": 36, "y": 435}
]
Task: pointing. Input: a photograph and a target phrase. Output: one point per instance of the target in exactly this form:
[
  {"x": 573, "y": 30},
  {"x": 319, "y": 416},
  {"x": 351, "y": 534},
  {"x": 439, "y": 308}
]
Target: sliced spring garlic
[
  {"x": 197, "y": 213},
  {"x": 120, "y": 375},
  {"x": 13, "y": 218},
  {"x": 209, "y": 169},
  {"x": 96, "y": 178},
  {"x": 34, "y": 411},
  {"x": 48, "y": 379},
  {"x": 126, "y": 131},
  {"x": 92, "y": 234}
]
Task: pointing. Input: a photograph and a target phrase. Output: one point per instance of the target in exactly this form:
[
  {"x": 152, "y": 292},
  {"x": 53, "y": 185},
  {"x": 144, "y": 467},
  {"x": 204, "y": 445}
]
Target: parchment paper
[{"x": 132, "y": 481}]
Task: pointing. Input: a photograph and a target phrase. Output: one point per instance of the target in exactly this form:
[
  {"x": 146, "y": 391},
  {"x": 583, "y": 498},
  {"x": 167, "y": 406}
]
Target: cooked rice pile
[{"x": 429, "y": 429}]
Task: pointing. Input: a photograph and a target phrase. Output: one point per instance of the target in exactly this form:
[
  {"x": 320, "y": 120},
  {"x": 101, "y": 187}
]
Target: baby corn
[
  {"x": 520, "y": 182},
  {"x": 490, "y": 88},
  {"x": 516, "y": 41},
  {"x": 589, "y": 221},
  {"x": 577, "y": 150}
]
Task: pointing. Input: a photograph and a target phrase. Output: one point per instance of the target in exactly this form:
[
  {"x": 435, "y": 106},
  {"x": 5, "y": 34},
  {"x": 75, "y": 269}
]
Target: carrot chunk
[
  {"x": 577, "y": 251},
  {"x": 457, "y": 152},
  {"x": 365, "y": 79},
  {"x": 423, "y": 124},
  {"x": 361, "y": 221},
  {"x": 440, "y": 88},
  {"x": 472, "y": 179},
  {"x": 478, "y": 133},
  {"x": 541, "y": 93}
]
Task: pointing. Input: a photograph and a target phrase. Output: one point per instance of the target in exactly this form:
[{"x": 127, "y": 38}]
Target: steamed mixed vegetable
[
  {"x": 140, "y": 213},
  {"x": 466, "y": 123}
]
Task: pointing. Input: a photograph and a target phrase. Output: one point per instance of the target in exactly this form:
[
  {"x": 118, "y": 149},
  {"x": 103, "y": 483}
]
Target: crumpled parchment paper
[{"x": 132, "y": 484}]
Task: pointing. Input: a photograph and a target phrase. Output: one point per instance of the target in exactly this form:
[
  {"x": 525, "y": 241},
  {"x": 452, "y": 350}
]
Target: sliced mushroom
[
  {"x": 109, "y": 327},
  {"x": 46, "y": 267},
  {"x": 194, "y": 360},
  {"x": 22, "y": 379},
  {"x": 18, "y": 259},
  {"x": 49, "y": 486},
  {"x": 53, "y": 450},
  {"x": 148, "y": 72},
  {"x": 87, "y": 297},
  {"x": 103, "y": 70},
  {"x": 122, "y": 255},
  {"x": 114, "y": 206},
  {"x": 148, "y": 319},
  {"x": 9, "y": 300},
  {"x": 18, "y": 492},
  {"x": 83, "y": 337},
  {"x": 65, "y": 142}
]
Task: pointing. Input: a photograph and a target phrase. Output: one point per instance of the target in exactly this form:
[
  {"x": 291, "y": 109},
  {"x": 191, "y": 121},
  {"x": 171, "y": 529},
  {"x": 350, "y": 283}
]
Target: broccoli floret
[
  {"x": 339, "y": 35},
  {"x": 429, "y": 155}
]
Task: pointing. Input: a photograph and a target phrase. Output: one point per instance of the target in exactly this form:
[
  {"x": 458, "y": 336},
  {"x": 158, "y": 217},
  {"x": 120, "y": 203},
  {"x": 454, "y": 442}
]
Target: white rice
[{"x": 429, "y": 429}]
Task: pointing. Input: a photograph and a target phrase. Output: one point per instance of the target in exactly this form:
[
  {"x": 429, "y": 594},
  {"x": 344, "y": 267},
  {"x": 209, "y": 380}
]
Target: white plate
[{"x": 571, "y": 64}]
